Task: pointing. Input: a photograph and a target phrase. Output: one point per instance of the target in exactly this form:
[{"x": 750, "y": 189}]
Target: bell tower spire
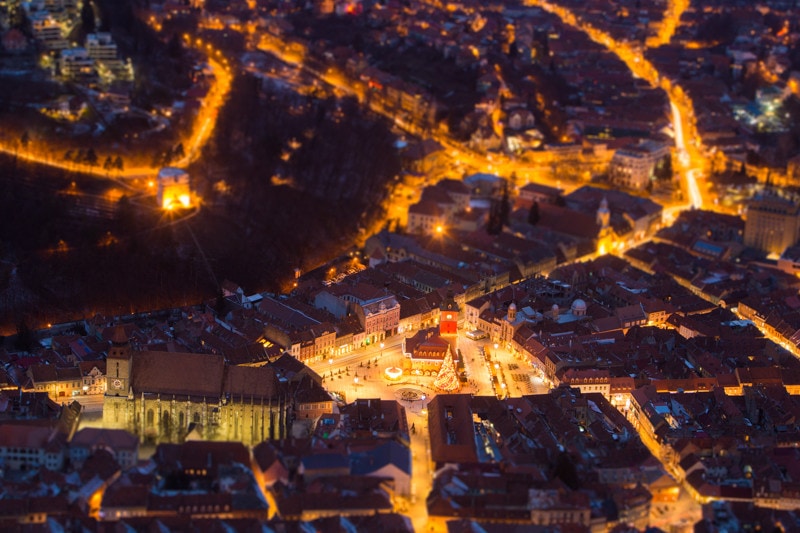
[{"x": 118, "y": 363}]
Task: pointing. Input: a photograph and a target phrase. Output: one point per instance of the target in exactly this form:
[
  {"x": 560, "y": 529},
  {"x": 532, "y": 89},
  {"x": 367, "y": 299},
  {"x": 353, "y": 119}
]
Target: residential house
[{"x": 123, "y": 446}]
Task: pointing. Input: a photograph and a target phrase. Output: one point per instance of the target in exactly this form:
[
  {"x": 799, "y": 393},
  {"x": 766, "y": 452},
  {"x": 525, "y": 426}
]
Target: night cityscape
[{"x": 469, "y": 266}]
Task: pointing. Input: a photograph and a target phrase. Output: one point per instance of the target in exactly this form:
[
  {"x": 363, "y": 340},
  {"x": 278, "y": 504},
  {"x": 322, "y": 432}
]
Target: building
[
  {"x": 633, "y": 166},
  {"x": 380, "y": 319},
  {"x": 75, "y": 64},
  {"x": 121, "y": 444},
  {"x": 425, "y": 353},
  {"x": 425, "y": 217},
  {"x": 47, "y": 31},
  {"x": 772, "y": 223},
  {"x": 101, "y": 47},
  {"x": 387, "y": 460},
  {"x": 448, "y": 315},
  {"x": 190, "y": 483},
  {"x": 164, "y": 396},
  {"x": 103, "y": 50},
  {"x": 173, "y": 189},
  {"x": 14, "y": 41},
  {"x": 532, "y": 193},
  {"x": 93, "y": 377},
  {"x": 25, "y": 446},
  {"x": 59, "y": 383}
]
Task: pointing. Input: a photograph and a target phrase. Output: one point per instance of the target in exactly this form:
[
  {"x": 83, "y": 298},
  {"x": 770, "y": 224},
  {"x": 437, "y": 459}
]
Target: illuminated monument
[
  {"x": 173, "y": 188},
  {"x": 168, "y": 397}
]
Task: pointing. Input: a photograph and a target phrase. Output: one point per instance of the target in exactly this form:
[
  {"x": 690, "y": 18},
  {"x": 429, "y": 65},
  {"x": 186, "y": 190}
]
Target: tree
[
  {"x": 126, "y": 216},
  {"x": 87, "y": 17},
  {"x": 663, "y": 171},
  {"x": 565, "y": 470},
  {"x": 175, "y": 47},
  {"x": 108, "y": 164},
  {"x": 118, "y": 163},
  {"x": 513, "y": 53},
  {"x": 91, "y": 158},
  {"x": 25, "y": 139},
  {"x": 219, "y": 304},
  {"x": 495, "y": 224},
  {"x": 533, "y": 214},
  {"x": 26, "y": 338},
  {"x": 505, "y": 207}
]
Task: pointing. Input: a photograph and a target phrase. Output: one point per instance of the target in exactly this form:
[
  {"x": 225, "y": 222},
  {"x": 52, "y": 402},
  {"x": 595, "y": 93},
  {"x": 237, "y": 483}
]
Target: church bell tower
[{"x": 118, "y": 364}]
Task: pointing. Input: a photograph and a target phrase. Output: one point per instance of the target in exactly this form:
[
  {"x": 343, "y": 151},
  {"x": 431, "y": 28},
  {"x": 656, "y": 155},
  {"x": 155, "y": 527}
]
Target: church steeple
[
  {"x": 511, "y": 315},
  {"x": 118, "y": 363},
  {"x": 603, "y": 214}
]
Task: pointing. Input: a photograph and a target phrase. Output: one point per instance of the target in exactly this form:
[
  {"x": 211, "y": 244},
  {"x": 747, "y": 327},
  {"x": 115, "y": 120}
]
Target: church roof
[
  {"x": 178, "y": 373},
  {"x": 250, "y": 382}
]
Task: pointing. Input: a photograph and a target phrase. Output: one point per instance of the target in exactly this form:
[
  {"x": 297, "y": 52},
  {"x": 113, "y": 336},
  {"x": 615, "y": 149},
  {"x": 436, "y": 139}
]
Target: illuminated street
[{"x": 201, "y": 131}]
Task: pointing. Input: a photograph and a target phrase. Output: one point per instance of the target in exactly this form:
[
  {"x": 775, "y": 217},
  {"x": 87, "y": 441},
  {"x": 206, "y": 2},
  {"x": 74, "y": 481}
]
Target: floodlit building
[
  {"x": 633, "y": 166},
  {"x": 75, "y": 63},
  {"x": 101, "y": 46},
  {"x": 173, "y": 188},
  {"x": 103, "y": 50},
  {"x": 47, "y": 31},
  {"x": 165, "y": 397},
  {"x": 772, "y": 223}
]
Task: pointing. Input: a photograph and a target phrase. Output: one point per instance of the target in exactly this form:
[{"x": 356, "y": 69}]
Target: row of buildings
[
  {"x": 508, "y": 105},
  {"x": 352, "y": 471},
  {"x": 650, "y": 336},
  {"x": 739, "y": 89}
]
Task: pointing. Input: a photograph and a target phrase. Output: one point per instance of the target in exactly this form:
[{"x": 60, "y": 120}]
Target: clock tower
[
  {"x": 118, "y": 364},
  {"x": 448, "y": 315}
]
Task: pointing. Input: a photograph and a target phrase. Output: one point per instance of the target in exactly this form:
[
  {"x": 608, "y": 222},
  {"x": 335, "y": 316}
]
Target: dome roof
[
  {"x": 513, "y": 306},
  {"x": 579, "y": 305}
]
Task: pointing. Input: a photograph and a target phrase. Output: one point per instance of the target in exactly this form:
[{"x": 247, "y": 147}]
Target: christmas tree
[{"x": 447, "y": 379}]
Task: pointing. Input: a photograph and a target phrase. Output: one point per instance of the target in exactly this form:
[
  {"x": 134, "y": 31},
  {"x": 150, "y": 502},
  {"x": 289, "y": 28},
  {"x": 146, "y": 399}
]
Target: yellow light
[
  {"x": 185, "y": 200},
  {"x": 439, "y": 229}
]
